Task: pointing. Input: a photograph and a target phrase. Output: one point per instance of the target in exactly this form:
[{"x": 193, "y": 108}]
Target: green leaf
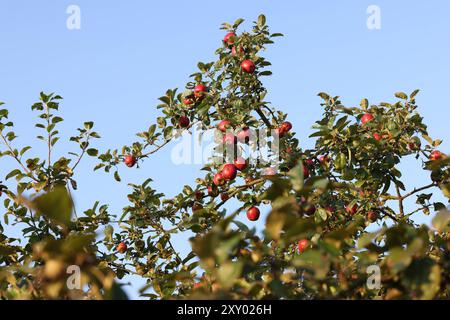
[
  {"x": 55, "y": 205},
  {"x": 229, "y": 272},
  {"x": 237, "y": 23},
  {"x": 88, "y": 125},
  {"x": 13, "y": 173},
  {"x": 92, "y": 152},
  {"x": 313, "y": 261},
  {"x": 296, "y": 175},
  {"x": 364, "y": 104},
  {"x": 441, "y": 220},
  {"x": 261, "y": 20},
  {"x": 414, "y": 93},
  {"x": 401, "y": 95}
]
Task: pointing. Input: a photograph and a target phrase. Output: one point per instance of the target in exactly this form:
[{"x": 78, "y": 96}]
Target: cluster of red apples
[{"x": 229, "y": 171}]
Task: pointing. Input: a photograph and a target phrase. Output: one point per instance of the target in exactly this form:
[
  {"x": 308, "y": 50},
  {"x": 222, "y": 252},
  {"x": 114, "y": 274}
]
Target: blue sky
[{"x": 128, "y": 53}]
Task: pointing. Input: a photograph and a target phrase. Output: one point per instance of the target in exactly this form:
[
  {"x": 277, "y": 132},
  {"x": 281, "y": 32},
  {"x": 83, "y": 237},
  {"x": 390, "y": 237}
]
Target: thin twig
[
  {"x": 17, "y": 158},
  {"x": 418, "y": 190}
]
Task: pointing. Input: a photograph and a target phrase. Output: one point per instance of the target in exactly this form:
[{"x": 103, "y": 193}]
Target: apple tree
[{"x": 341, "y": 223}]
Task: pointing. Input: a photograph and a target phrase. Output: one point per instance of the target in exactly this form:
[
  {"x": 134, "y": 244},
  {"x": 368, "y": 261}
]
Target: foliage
[{"x": 326, "y": 198}]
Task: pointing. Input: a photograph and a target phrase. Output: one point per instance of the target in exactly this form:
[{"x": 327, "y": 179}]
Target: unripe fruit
[
  {"x": 227, "y": 39},
  {"x": 223, "y": 125},
  {"x": 130, "y": 161},
  {"x": 184, "y": 122},
  {"x": 248, "y": 66},
  {"x": 366, "y": 118},
  {"x": 229, "y": 171},
  {"x": 436, "y": 155},
  {"x": 351, "y": 210},
  {"x": 218, "y": 179},
  {"x": 240, "y": 163},
  {"x": 372, "y": 216},
  {"x": 122, "y": 247},
  {"x": 243, "y": 135},
  {"x": 199, "y": 90},
  {"x": 302, "y": 245},
  {"x": 253, "y": 214}
]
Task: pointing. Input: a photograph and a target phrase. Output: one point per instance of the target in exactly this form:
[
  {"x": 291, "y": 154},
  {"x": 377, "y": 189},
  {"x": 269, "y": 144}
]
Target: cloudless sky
[{"x": 128, "y": 53}]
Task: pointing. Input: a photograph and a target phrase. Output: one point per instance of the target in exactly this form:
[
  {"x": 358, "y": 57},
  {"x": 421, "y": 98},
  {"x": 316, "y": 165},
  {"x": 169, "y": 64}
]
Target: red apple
[
  {"x": 366, "y": 118},
  {"x": 229, "y": 171},
  {"x": 218, "y": 179},
  {"x": 436, "y": 155},
  {"x": 309, "y": 162},
  {"x": 310, "y": 209},
  {"x": 224, "y": 196},
  {"x": 372, "y": 216},
  {"x": 377, "y": 136},
  {"x": 351, "y": 210},
  {"x": 324, "y": 159},
  {"x": 224, "y": 125},
  {"x": 248, "y": 66},
  {"x": 183, "y": 122},
  {"x": 130, "y": 160},
  {"x": 249, "y": 179},
  {"x": 196, "y": 206},
  {"x": 197, "y": 286},
  {"x": 188, "y": 101},
  {"x": 122, "y": 247},
  {"x": 199, "y": 90},
  {"x": 234, "y": 50},
  {"x": 229, "y": 139},
  {"x": 240, "y": 163},
  {"x": 243, "y": 135},
  {"x": 213, "y": 191},
  {"x": 253, "y": 214},
  {"x": 413, "y": 146},
  {"x": 227, "y": 39},
  {"x": 302, "y": 245},
  {"x": 199, "y": 195},
  {"x": 286, "y": 126},
  {"x": 305, "y": 171},
  {"x": 330, "y": 209},
  {"x": 279, "y": 132},
  {"x": 269, "y": 171}
]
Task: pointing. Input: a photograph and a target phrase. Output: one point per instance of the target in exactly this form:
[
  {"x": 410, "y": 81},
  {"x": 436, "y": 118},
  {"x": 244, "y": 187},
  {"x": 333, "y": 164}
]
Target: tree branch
[
  {"x": 418, "y": 190},
  {"x": 263, "y": 118}
]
